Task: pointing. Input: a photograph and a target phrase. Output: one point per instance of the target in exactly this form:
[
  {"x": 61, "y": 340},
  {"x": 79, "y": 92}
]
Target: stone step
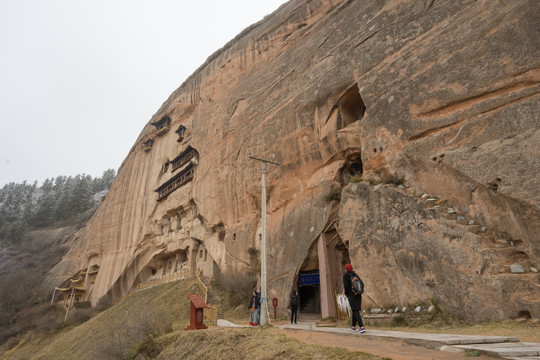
[
  {"x": 459, "y": 218},
  {"x": 443, "y": 208},
  {"x": 451, "y": 217},
  {"x": 475, "y": 229},
  {"x": 506, "y": 350}
]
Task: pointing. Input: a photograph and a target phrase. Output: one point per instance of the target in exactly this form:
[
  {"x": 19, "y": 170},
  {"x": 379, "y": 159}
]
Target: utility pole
[{"x": 264, "y": 295}]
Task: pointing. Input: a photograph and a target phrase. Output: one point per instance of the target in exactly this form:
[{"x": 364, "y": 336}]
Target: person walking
[
  {"x": 294, "y": 306},
  {"x": 254, "y": 308},
  {"x": 258, "y": 301},
  {"x": 353, "y": 288}
]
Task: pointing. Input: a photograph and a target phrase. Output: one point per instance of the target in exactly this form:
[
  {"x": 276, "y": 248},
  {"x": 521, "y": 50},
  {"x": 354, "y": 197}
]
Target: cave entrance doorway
[
  {"x": 308, "y": 291},
  {"x": 320, "y": 275}
]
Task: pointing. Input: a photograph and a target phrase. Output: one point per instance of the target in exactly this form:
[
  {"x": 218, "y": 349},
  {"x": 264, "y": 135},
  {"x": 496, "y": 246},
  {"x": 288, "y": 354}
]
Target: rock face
[{"x": 352, "y": 98}]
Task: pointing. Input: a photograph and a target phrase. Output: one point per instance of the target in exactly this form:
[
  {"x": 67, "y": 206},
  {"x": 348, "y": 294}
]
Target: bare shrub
[
  {"x": 333, "y": 195},
  {"x": 43, "y": 318},
  {"x": 78, "y": 316},
  {"x": 104, "y": 303},
  {"x": 355, "y": 178},
  {"x": 238, "y": 285},
  {"x": 115, "y": 346},
  {"x": 83, "y": 305},
  {"x": 396, "y": 180},
  {"x": 149, "y": 348},
  {"x": 12, "y": 342},
  {"x": 17, "y": 291}
]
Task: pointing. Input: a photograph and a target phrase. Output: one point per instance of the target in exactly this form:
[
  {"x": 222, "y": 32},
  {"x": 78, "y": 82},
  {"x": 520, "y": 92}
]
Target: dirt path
[{"x": 394, "y": 349}]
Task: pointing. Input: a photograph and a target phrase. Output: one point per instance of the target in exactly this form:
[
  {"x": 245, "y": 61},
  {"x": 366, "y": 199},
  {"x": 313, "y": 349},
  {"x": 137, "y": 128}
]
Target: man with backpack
[
  {"x": 294, "y": 306},
  {"x": 353, "y": 289}
]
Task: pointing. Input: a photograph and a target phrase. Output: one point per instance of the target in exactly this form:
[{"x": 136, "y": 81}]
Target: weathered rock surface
[{"x": 442, "y": 97}]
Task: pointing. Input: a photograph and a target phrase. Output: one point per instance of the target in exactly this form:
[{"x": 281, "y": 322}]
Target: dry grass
[{"x": 248, "y": 343}]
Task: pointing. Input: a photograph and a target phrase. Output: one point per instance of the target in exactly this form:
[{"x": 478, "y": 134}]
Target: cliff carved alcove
[
  {"x": 351, "y": 107},
  {"x": 190, "y": 157},
  {"x": 180, "y": 131},
  {"x": 344, "y": 110},
  {"x": 162, "y": 126},
  {"x": 148, "y": 144}
]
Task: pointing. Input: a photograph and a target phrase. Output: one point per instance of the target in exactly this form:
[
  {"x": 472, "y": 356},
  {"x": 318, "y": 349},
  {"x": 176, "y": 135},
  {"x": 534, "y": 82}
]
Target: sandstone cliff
[{"x": 352, "y": 98}]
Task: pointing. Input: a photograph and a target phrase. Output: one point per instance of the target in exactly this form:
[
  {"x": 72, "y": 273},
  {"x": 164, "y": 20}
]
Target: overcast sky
[{"x": 79, "y": 79}]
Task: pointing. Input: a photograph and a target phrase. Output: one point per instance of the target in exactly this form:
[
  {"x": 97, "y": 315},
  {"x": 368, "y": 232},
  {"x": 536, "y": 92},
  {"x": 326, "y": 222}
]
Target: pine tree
[
  {"x": 45, "y": 211},
  {"x": 105, "y": 181},
  {"x": 81, "y": 194},
  {"x": 24, "y": 206},
  {"x": 62, "y": 188}
]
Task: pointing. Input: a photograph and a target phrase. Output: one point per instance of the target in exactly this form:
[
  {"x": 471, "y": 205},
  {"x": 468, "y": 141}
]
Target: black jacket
[
  {"x": 294, "y": 299},
  {"x": 355, "y": 301},
  {"x": 255, "y": 301}
]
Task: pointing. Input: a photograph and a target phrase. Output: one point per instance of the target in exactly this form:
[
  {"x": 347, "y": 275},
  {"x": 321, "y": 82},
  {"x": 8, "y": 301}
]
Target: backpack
[{"x": 357, "y": 285}]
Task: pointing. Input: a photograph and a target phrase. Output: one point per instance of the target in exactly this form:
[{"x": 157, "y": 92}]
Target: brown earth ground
[
  {"x": 396, "y": 350},
  {"x": 400, "y": 350}
]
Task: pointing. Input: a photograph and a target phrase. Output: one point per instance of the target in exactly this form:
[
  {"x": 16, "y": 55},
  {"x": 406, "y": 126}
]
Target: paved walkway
[{"x": 497, "y": 346}]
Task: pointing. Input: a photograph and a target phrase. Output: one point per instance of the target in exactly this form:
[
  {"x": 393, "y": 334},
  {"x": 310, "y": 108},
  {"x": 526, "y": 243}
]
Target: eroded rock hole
[
  {"x": 351, "y": 107},
  {"x": 351, "y": 170},
  {"x": 524, "y": 314},
  {"x": 518, "y": 256},
  {"x": 494, "y": 185},
  {"x": 220, "y": 230}
]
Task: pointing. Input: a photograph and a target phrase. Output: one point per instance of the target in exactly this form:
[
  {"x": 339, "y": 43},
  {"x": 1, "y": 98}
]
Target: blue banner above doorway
[{"x": 308, "y": 279}]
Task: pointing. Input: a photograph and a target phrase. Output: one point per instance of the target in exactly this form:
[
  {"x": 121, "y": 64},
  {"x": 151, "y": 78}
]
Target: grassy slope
[
  {"x": 114, "y": 333},
  {"x": 83, "y": 341},
  {"x": 248, "y": 343}
]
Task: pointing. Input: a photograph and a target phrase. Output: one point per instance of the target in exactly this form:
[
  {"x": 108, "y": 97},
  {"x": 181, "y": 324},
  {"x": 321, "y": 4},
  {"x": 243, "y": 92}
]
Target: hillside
[
  {"x": 151, "y": 322},
  {"x": 36, "y": 228}
]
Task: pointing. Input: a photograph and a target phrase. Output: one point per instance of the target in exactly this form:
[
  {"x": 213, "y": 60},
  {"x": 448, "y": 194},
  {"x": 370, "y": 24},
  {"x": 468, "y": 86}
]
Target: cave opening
[
  {"x": 352, "y": 168},
  {"x": 319, "y": 277},
  {"x": 351, "y": 107}
]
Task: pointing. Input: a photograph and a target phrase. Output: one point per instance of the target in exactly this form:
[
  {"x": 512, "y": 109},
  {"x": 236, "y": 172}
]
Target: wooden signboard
[{"x": 196, "y": 315}]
